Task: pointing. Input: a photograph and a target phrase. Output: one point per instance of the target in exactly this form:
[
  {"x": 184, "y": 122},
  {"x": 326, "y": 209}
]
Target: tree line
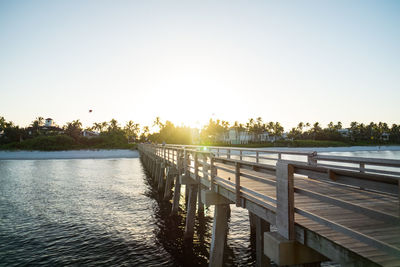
[{"x": 111, "y": 132}]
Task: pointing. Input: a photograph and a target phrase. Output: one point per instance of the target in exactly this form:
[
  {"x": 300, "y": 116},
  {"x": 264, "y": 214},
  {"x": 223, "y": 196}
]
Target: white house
[
  {"x": 385, "y": 136},
  {"x": 89, "y": 134},
  {"x": 345, "y": 132},
  {"x": 236, "y": 137},
  {"x": 49, "y": 122}
]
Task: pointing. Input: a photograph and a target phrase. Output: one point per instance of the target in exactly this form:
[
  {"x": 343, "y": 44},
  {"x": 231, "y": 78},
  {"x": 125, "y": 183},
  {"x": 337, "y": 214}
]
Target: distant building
[
  {"x": 345, "y": 132},
  {"x": 49, "y": 128},
  {"x": 385, "y": 136},
  {"x": 89, "y": 134},
  {"x": 49, "y": 122},
  {"x": 235, "y": 137}
]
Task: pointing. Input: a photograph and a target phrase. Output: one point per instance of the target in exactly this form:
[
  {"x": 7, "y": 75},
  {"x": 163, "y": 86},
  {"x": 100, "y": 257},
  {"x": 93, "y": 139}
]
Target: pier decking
[{"x": 343, "y": 209}]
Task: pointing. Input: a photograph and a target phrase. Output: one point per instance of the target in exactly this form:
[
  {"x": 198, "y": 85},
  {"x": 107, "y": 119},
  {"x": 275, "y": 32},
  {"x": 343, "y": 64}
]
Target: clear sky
[{"x": 187, "y": 61}]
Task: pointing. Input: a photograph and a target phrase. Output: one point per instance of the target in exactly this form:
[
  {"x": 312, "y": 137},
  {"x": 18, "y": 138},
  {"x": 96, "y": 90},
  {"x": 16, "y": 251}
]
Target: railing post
[
  {"x": 362, "y": 167},
  {"x": 311, "y": 159},
  {"x": 237, "y": 184},
  {"x": 285, "y": 200},
  {"x": 185, "y": 160},
  {"x": 213, "y": 172},
  {"x": 240, "y": 157},
  {"x": 257, "y": 157},
  {"x": 279, "y": 155},
  {"x": 217, "y": 152},
  {"x": 228, "y": 153},
  {"x": 196, "y": 167}
]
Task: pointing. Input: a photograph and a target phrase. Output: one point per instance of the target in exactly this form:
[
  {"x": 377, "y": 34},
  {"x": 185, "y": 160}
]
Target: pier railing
[
  {"x": 231, "y": 168},
  {"x": 287, "y": 192},
  {"x": 202, "y": 162}
]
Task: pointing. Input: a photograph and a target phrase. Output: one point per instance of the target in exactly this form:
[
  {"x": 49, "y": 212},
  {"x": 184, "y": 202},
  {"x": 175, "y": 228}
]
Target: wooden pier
[{"x": 343, "y": 209}]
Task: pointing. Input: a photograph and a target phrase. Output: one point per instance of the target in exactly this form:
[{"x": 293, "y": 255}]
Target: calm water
[
  {"x": 105, "y": 212},
  {"x": 99, "y": 212}
]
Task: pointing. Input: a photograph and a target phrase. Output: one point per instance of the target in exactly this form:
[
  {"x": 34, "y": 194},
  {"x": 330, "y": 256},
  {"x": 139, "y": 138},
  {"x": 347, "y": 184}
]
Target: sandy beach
[{"x": 71, "y": 154}]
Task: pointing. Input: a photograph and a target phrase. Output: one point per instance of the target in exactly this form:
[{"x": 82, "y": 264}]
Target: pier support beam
[
  {"x": 191, "y": 211},
  {"x": 252, "y": 222},
  {"x": 161, "y": 177},
  {"x": 219, "y": 231},
  {"x": 170, "y": 174},
  {"x": 200, "y": 208},
  {"x": 261, "y": 227},
  {"x": 177, "y": 195}
]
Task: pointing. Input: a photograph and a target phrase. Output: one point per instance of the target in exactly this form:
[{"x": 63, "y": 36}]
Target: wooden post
[
  {"x": 191, "y": 211},
  {"x": 213, "y": 173},
  {"x": 311, "y": 160},
  {"x": 261, "y": 227},
  {"x": 200, "y": 205},
  {"x": 362, "y": 167},
  {"x": 187, "y": 190},
  {"x": 237, "y": 184},
  {"x": 168, "y": 183},
  {"x": 219, "y": 231},
  {"x": 285, "y": 200},
  {"x": 161, "y": 177},
  {"x": 177, "y": 189},
  {"x": 252, "y": 224}
]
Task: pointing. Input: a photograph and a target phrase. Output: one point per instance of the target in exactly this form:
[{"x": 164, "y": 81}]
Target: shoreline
[{"x": 69, "y": 154}]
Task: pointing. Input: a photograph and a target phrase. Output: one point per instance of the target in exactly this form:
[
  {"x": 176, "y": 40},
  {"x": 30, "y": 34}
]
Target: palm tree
[
  {"x": 104, "y": 125},
  {"x": 129, "y": 129},
  {"x": 37, "y": 123},
  {"x": 97, "y": 126},
  {"x": 113, "y": 126},
  {"x": 73, "y": 129},
  {"x": 2, "y": 123},
  {"x": 145, "y": 133}
]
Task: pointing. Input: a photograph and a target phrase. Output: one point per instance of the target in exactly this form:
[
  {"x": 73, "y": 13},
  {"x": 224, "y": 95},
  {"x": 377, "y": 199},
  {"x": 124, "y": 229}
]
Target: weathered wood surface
[{"x": 388, "y": 232}]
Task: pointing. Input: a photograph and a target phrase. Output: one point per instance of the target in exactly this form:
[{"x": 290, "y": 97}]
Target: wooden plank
[{"x": 359, "y": 236}]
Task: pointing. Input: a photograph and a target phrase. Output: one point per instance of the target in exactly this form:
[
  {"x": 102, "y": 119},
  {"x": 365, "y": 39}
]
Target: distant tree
[
  {"x": 97, "y": 126},
  {"x": 113, "y": 126},
  {"x": 73, "y": 129},
  {"x": 145, "y": 133},
  {"x": 36, "y": 125},
  {"x": 131, "y": 130}
]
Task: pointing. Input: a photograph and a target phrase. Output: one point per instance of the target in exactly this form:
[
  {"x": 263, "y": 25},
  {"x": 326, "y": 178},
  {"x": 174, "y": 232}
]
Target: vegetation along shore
[{"x": 44, "y": 134}]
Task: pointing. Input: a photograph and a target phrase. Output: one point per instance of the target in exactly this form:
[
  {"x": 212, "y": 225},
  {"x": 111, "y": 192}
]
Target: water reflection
[{"x": 239, "y": 251}]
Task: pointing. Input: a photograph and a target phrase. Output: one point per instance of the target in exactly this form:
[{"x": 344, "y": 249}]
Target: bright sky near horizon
[{"x": 187, "y": 61}]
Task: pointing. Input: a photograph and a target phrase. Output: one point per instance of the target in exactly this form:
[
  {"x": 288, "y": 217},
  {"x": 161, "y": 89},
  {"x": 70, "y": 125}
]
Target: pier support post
[
  {"x": 177, "y": 188},
  {"x": 252, "y": 222},
  {"x": 219, "y": 231},
  {"x": 200, "y": 208},
  {"x": 186, "y": 193},
  {"x": 177, "y": 195},
  {"x": 191, "y": 211},
  {"x": 170, "y": 174},
  {"x": 161, "y": 177},
  {"x": 261, "y": 226}
]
